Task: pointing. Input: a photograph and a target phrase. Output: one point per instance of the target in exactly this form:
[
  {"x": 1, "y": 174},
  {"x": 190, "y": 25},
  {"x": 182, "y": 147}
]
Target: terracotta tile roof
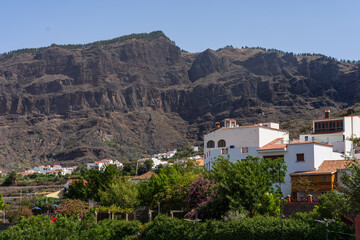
[
  {"x": 71, "y": 180},
  {"x": 145, "y": 176},
  {"x": 327, "y": 167},
  {"x": 200, "y": 162},
  {"x": 273, "y": 145}
]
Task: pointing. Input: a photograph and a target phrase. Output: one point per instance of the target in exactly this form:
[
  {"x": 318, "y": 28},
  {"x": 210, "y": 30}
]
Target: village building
[
  {"x": 266, "y": 140},
  {"x": 100, "y": 165},
  {"x": 143, "y": 177}
]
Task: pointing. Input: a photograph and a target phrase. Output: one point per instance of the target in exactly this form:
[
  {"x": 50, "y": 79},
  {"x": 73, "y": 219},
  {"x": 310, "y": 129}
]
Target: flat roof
[
  {"x": 255, "y": 125},
  {"x": 333, "y": 118}
]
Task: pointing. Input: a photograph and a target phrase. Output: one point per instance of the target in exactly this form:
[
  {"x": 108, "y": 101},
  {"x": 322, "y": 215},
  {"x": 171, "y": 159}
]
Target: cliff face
[{"x": 140, "y": 95}]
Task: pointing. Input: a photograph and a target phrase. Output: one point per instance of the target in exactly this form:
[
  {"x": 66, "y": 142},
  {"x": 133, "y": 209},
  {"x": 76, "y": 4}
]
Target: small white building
[
  {"x": 99, "y": 165},
  {"x": 266, "y": 140},
  {"x": 45, "y": 169}
]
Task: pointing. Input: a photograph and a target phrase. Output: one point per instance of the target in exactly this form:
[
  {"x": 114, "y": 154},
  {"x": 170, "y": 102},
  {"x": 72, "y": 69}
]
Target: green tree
[
  {"x": 245, "y": 185},
  {"x": 351, "y": 184},
  {"x": 77, "y": 190},
  {"x": 149, "y": 163},
  {"x": 168, "y": 188},
  {"x": 332, "y": 205},
  {"x": 10, "y": 179},
  {"x": 2, "y": 202},
  {"x": 122, "y": 193}
]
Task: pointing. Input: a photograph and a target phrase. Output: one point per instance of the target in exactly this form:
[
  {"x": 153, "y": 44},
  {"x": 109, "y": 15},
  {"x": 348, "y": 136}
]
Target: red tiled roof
[
  {"x": 71, "y": 180},
  {"x": 200, "y": 162},
  {"x": 276, "y": 145},
  {"x": 327, "y": 167},
  {"x": 145, "y": 176},
  {"x": 273, "y": 145}
]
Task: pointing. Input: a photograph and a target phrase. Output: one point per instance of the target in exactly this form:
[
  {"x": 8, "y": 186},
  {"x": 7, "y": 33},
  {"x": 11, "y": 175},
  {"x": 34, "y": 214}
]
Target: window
[
  {"x": 324, "y": 178},
  {"x": 210, "y": 144},
  {"x": 306, "y": 138},
  {"x": 311, "y": 178},
  {"x": 329, "y": 126},
  {"x": 221, "y": 143},
  {"x": 244, "y": 150},
  {"x": 300, "y": 157},
  {"x": 224, "y": 151}
]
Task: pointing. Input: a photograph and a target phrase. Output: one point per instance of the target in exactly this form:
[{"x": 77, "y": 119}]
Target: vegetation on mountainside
[{"x": 145, "y": 36}]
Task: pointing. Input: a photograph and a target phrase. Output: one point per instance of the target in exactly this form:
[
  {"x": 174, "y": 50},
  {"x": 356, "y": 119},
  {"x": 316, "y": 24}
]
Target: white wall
[
  {"x": 239, "y": 137},
  {"x": 356, "y": 121},
  {"x": 244, "y": 137},
  {"x": 267, "y": 135}
]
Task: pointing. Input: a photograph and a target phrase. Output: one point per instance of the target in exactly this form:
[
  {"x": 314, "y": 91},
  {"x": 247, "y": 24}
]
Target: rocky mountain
[{"x": 140, "y": 94}]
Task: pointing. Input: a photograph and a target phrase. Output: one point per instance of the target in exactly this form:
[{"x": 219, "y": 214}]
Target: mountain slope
[{"x": 140, "y": 94}]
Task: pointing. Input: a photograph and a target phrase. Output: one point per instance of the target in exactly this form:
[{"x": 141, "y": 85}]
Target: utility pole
[
  {"x": 194, "y": 222},
  {"x": 20, "y": 199},
  {"x": 137, "y": 166},
  {"x": 326, "y": 221}
]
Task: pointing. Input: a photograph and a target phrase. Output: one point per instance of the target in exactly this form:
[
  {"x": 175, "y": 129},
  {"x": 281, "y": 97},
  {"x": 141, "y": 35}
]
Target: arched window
[
  {"x": 221, "y": 143},
  {"x": 210, "y": 144}
]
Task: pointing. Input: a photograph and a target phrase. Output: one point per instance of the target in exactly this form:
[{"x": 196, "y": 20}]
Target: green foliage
[
  {"x": 332, "y": 205},
  {"x": 46, "y": 203},
  {"x": 2, "y": 202},
  {"x": 121, "y": 193},
  {"x": 169, "y": 187},
  {"x": 112, "y": 229},
  {"x": 164, "y": 228},
  {"x": 10, "y": 179},
  {"x": 149, "y": 163},
  {"x": 145, "y": 36},
  {"x": 130, "y": 167},
  {"x": 110, "y": 143},
  {"x": 77, "y": 190},
  {"x": 351, "y": 185},
  {"x": 247, "y": 185},
  {"x": 96, "y": 180},
  {"x": 259, "y": 227},
  {"x": 40, "y": 227}
]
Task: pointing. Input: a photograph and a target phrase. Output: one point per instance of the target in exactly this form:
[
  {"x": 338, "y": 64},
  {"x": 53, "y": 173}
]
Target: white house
[
  {"x": 266, "y": 140},
  {"x": 336, "y": 131},
  {"x": 99, "y": 165}
]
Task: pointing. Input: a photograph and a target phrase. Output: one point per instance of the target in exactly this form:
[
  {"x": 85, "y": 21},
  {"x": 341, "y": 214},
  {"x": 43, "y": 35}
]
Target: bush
[
  {"x": 40, "y": 227},
  {"x": 259, "y": 227}
]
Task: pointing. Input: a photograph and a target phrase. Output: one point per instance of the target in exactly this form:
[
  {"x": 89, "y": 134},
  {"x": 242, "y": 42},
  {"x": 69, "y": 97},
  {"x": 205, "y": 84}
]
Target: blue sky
[{"x": 321, "y": 26}]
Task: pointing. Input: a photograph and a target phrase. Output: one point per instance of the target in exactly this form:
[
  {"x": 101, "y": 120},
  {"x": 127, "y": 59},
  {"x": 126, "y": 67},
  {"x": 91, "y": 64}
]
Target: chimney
[
  {"x": 327, "y": 113},
  {"x": 217, "y": 125}
]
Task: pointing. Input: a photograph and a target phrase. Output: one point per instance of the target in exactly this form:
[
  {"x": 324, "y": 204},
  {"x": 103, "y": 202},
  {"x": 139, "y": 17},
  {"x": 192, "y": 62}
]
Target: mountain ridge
[{"x": 142, "y": 95}]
